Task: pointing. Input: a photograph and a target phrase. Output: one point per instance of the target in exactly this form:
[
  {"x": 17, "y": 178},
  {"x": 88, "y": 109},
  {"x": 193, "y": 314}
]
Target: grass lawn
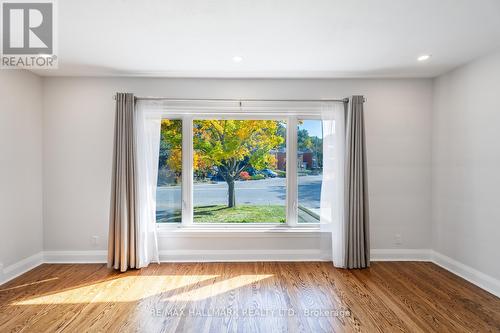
[{"x": 239, "y": 214}]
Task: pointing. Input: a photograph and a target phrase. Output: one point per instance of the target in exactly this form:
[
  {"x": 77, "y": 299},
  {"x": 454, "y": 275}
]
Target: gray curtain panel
[
  {"x": 356, "y": 188},
  {"x": 122, "y": 221}
]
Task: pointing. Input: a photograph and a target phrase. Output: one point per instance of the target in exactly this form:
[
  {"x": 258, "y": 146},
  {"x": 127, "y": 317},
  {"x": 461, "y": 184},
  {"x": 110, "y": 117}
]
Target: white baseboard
[
  {"x": 468, "y": 273},
  {"x": 68, "y": 257},
  {"x": 12, "y": 271},
  {"x": 75, "y": 257},
  {"x": 400, "y": 255}
]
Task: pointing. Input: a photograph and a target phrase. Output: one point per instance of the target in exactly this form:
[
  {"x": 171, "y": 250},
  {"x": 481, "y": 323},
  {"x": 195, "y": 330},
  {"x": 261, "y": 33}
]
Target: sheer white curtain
[
  {"x": 332, "y": 189},
  {"x": 147, "y": 138}
]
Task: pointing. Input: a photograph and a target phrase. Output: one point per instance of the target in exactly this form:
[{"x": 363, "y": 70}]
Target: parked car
[
  {"x": 269, "y": 173},
  {"x": 217, "y": 178},
  {"x": 251, "y": 171}
]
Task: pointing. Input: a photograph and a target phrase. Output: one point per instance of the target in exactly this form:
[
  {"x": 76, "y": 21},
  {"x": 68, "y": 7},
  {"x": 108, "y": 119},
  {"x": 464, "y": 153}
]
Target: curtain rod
[{"x": 343, "y": 100}]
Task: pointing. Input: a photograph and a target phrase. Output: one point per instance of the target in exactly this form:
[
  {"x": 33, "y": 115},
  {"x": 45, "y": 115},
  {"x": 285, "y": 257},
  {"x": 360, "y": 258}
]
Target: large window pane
[
  {"x": 309, "y": 169},
  {"x": 168, "y": 193},
  {"x": 239, "y": 171}
]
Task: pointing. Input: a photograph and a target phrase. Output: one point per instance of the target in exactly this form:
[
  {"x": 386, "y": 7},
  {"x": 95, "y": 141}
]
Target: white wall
[
  {"x": 466, "y": 165},
  {"x": 78, "y": 131},
  {"x": 20, "y": 166}
]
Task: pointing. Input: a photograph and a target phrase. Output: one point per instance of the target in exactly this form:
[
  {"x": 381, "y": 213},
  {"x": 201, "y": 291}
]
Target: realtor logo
[{"x": 28, "y": 35}]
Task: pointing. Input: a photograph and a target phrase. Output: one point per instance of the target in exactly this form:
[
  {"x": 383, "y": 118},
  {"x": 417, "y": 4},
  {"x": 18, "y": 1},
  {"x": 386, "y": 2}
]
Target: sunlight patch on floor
[
  {"x": 125, "y": 289},
  {"x": 218, "y": 287},
  {"x": 29, "y": 284}
]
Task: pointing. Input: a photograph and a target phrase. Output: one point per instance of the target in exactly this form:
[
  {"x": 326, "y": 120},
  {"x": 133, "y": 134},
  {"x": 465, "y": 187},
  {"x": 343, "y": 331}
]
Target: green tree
[
  {"x": 233, "y": 145},
  {"x": 312, "y": 143},
  {"x": 317, "y": 148},
  {"x": 304, "y": 141}
]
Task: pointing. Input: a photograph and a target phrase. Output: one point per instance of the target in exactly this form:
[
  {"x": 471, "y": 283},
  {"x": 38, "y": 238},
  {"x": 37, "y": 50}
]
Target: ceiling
[{"x": 278, "y": 38}]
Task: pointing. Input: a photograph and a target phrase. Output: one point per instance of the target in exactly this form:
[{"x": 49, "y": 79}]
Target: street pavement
[{"x": 269, "y": 191}]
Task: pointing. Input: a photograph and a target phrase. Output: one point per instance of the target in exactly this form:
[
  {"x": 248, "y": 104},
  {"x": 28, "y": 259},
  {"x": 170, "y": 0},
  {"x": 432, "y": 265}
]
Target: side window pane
[
  {"x": 168, "y": 192},
  {"x": 239, "y": 171},
  {"x": 309, "y": 169}
]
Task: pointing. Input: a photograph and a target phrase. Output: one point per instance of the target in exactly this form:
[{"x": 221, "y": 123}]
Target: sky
[{"x": 313, "y": 127}]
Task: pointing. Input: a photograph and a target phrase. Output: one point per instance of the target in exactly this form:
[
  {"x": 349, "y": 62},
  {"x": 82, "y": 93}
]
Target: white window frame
[{"x": 291, "y": 174}]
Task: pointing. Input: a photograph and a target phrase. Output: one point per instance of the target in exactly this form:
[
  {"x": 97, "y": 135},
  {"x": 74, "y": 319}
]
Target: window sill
[{"x": 238, "y": 231}]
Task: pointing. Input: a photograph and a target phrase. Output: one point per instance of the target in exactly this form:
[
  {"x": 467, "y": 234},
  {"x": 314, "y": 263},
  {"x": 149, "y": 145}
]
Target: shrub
[
  {"x": 244, "y": 175},
  {"x": 258, "y": 177},
  {"x": 281, "y": 174}
]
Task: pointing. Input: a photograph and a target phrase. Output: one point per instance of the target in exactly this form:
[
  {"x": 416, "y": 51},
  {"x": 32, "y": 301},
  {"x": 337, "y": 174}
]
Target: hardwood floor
[{"x": 246, "y": 297}]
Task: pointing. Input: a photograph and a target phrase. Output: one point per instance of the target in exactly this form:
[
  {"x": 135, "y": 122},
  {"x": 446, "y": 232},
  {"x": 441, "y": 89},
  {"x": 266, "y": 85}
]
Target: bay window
[{"x": 239, "y": 169}]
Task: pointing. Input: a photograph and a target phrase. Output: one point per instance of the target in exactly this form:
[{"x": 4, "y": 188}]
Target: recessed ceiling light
[
  {"x": 237, "y": 59},
  {"x": 424, "y": 57}
]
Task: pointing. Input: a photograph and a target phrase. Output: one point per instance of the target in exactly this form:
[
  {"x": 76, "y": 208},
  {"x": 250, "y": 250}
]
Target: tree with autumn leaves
[
  {"x": 233, "y": 145},
  {"x": 228, "y": 145},
  {"x": 171, "y": 146}
]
